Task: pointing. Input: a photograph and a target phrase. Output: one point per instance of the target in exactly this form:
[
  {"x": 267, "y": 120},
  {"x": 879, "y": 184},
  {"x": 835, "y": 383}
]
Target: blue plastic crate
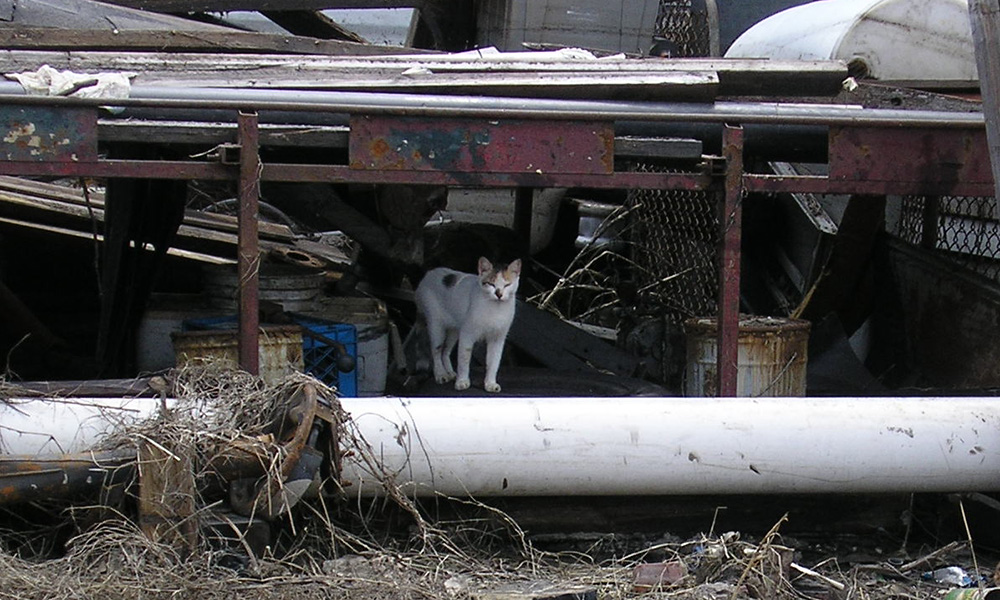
[{"x": 319, "y": 358}]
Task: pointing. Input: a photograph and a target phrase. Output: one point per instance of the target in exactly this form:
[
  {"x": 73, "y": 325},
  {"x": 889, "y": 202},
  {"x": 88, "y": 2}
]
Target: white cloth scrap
[{"x": 47, "y": 81}]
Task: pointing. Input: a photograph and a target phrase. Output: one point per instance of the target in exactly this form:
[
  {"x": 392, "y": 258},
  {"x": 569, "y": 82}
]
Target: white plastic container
[{"x": 889, "y": 40}]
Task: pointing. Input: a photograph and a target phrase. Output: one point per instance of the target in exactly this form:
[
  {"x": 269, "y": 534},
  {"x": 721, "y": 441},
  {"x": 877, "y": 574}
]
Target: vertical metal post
[
  {"x": 730, "y": 234},
  {"x": 248, "y": 253}
]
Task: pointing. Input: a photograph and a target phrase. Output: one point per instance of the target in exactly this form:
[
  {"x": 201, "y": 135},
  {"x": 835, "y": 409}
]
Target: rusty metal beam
[
  {"x": 824, "y": 185},
  {"x": 288, "y": 172},
  {"x": 248, "y": 255},
  {"x": 730, "y": 234}
]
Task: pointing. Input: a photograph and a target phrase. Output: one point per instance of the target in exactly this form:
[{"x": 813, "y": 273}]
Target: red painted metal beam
[
  {"x": 730, "y": 230},
  {"x": 248, "y": 256}
]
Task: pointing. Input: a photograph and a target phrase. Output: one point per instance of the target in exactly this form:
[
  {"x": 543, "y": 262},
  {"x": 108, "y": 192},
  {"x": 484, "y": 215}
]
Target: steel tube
[{"x": 522, "y": 108}]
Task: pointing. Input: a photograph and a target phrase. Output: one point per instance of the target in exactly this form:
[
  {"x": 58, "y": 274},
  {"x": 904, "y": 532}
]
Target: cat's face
[{"x": 499, "y": 283}]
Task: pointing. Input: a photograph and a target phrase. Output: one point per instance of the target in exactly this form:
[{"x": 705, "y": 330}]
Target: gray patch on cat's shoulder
[{"x": 449, "y": 280}]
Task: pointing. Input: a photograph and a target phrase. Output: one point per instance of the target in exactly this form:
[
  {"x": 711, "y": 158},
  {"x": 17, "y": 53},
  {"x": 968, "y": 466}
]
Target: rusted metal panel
[
  {"x": 41, "y": 133},
  {"x": 480, "y": 145},
  {"x": 928, "y": 155}
]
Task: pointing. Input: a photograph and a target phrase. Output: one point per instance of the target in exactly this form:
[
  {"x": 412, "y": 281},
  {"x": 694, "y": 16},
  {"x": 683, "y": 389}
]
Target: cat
[{"x": 462, "y": 309}]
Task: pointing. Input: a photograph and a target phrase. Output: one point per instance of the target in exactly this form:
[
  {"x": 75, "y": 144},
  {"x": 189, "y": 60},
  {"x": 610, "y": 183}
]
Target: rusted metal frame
[
  {"x": 124, "y": 168},
  {"x": 160, "y": 169},
  {"x": 730, "y": 233},
  {"x": 761, "y": 183},
  {"x": 616, "y": 180},
  {"x": 248, "y": 254}
]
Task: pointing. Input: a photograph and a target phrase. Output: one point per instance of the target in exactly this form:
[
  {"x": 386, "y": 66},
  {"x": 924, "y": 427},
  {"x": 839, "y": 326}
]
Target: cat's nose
[{"x": 499, "y": 294}]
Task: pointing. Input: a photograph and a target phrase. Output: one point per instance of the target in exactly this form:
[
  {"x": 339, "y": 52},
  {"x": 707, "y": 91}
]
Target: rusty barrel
[{"x": 773, "y": 352}]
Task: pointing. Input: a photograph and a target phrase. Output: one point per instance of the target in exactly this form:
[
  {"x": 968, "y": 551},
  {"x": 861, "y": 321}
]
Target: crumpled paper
[{"x": 47, "y": 81}]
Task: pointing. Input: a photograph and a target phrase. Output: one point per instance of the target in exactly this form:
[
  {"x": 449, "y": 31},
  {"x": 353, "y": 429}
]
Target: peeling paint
[
  {"x": 478, "y": 146},
  {"x": 48, "y": 134}
]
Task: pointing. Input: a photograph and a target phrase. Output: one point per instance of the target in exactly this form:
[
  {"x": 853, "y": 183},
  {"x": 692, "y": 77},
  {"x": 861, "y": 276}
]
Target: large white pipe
[
  {"x": 619, "y": 446},
  {"x": 630, "y": 446}
]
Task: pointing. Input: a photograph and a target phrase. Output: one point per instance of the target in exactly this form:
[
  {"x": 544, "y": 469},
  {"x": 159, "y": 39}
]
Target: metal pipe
[
  {"x": 493, "y": 446},
  {"x": 671, "y": 446},
  {"x": 521, "y": 108}
]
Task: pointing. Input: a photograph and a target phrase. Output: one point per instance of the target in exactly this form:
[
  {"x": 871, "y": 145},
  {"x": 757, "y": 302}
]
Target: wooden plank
[
  {"x": 984, "y": 17},
  {"x": 89, "y": 237},
  {"x": 561, "y": 346},
  {"x": 72, "y": 15},
  {"x": 178, "y": 40},
  {"x": 25, "y": 188},
  {"x": 396, "y": 64},
  {"x": 312, "y": 24},
  {"x": 228, "y": 5},
  {"x": 167, "y": 507}
]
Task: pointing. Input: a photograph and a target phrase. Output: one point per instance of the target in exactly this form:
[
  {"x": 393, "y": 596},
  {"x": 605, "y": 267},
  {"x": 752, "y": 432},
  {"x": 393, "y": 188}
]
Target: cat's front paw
[
  {"x": 444, "y": 377},
  {"x": 461, "y": 384},
  {"x": 493, "y": 387}
]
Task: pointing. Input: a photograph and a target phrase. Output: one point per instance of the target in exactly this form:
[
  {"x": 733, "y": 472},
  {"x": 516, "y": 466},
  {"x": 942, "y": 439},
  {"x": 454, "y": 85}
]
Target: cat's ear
[
  {"x": 514, "y": 267},
  {"x": 485, "y": 266}
]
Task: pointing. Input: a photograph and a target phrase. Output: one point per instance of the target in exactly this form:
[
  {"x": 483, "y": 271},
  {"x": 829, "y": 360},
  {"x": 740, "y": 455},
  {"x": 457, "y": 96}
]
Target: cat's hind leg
[
  {"x": 440, "y": 354},
  {"x": 450, "y": 340}
]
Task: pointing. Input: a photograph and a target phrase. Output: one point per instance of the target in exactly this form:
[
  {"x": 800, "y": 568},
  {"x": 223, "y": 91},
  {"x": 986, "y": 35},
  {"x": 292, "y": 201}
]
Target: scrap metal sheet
[
  {"x": 933, "y": 156},
  {"x": 480, "y": 145}
]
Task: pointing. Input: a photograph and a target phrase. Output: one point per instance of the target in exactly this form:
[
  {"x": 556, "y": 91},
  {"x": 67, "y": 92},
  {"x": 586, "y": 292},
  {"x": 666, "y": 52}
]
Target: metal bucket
[{"x": 771, "y": 360}]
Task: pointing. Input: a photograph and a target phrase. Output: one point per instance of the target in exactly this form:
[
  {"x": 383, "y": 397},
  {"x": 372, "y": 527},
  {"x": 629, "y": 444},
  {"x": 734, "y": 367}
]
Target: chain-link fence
[
  {"x": 965, "y": 229},
  {"x": 682, "y": 28}
]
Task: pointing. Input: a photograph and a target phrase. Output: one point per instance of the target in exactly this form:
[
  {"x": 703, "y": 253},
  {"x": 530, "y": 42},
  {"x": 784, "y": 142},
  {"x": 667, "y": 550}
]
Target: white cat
[{"x": 462, "y": 309}]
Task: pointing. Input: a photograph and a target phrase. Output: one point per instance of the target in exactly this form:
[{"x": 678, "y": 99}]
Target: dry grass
[{"x": 329, "y": 548}]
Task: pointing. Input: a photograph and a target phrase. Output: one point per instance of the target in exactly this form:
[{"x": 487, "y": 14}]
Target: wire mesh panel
[
  {"x": 674, "y": 241},
  {"x": 964, "y": 228},
  {"x": 682, "y": 27}
]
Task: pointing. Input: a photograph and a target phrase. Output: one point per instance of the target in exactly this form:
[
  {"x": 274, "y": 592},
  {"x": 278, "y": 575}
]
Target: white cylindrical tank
[{"x": 889, "y": 40}]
